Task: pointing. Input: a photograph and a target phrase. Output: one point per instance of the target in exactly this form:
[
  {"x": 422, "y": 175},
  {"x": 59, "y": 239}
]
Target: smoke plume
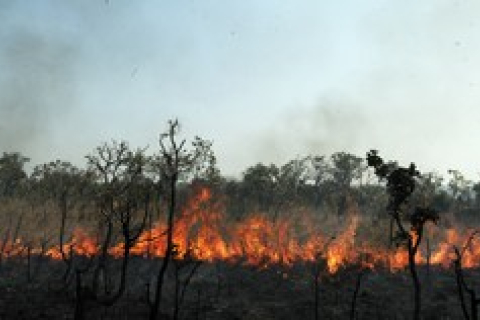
[
  {"x": 36, "y": 86},
  {"x": 321, "y": 130}
]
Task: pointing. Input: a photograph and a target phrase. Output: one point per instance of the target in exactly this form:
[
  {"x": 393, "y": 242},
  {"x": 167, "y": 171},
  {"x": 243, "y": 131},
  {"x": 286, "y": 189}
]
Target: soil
[{"x": 221, "y": 290}]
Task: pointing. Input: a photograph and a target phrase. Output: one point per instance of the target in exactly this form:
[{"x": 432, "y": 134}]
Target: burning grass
[
  {"x": 252, "y": 267},
  {"x": 203, "y": 231}
]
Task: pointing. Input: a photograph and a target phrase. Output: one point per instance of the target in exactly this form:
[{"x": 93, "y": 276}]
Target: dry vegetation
[
  {"x": 165, "y": 236},
  {"x": 223, "y": 290}
]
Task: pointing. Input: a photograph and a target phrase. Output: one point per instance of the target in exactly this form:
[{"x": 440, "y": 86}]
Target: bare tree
[
  {"x": 61, "y": 182},
  {"x": 123, "y": 198},
  {"x": 174, "y": 163},
  {"x": 114, "y": 184},
  {"x": 187, "y": 265}
]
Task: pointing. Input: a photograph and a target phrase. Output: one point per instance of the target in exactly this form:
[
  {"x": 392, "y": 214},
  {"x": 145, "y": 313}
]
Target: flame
[
  {"x": 81, "y": 244},
  {"x": 202, "y": 231}
]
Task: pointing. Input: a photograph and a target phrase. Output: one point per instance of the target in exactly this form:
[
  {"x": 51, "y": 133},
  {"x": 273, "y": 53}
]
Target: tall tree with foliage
[
  {"x": 346, "y": 168},
  {"x": 12, "y": 173},
  {"x": 401, "y": 183},
  {"x": 259, "y": 184},
  {"x": 461, "y": 190}
]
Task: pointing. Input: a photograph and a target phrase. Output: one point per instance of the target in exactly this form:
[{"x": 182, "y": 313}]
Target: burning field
[
  {"x": 203, "y": 233},
  {"x": 165, "y": 236},
  {"x": 285, "y": 209},
  {"x": 257, "y": 267}
]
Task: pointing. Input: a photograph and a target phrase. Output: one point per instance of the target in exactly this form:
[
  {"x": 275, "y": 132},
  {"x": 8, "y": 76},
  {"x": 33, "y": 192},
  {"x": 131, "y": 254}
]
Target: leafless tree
[
  {"x": 123, "y": 201},
  {"x": 186, "y": 265},
  {"x": 174, "y": 163}
]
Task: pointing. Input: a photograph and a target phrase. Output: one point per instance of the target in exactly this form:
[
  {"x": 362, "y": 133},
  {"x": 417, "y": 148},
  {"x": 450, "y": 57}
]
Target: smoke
[
  {"x": 321, "y": 130},
  {"x": 36, "y": 84}
]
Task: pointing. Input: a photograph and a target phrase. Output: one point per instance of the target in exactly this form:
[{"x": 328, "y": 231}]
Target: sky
[{"x": 267, "y": 81}]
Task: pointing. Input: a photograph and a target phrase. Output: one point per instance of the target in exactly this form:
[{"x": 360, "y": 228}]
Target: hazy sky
[{"x": 266, "y": 80}]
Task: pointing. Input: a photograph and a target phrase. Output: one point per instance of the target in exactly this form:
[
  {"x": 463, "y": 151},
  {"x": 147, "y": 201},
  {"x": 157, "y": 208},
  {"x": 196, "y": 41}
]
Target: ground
[{"x": 221, "y": 290}]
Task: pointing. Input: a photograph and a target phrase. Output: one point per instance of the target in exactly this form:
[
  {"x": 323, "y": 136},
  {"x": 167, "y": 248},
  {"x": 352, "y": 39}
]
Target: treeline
[{"x": 320, "y": 182}]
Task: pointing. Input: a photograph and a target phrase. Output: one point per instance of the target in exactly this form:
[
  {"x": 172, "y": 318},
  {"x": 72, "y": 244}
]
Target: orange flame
[{"x": 201, "y": 230}]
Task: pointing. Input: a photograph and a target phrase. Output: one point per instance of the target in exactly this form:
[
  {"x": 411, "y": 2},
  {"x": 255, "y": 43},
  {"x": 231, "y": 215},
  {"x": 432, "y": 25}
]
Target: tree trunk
[
  {"x": 155, "y": 306},
  {"x": 412, "y": 250}
]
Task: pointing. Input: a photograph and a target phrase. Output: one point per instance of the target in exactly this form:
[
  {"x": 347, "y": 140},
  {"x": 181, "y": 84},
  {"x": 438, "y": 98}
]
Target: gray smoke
[
  {"x": 36, "y": 85},
  {"x": 321, "y": 130}
]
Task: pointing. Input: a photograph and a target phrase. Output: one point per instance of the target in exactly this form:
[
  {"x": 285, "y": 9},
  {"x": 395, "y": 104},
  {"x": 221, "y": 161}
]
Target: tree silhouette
[
  {"x": 401, "y": 184},
  {"x": 175, "y": 163}
]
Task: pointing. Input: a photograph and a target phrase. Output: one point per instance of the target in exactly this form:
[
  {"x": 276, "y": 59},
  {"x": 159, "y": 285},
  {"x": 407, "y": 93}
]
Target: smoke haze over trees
[{"x": 286, "y": 80}]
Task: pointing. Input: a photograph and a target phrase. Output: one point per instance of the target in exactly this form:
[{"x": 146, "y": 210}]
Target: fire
[
  {"x": 338, "y": 252},
  {"x": 202, "y": 231},
  {"x": 81, "y": 244}
]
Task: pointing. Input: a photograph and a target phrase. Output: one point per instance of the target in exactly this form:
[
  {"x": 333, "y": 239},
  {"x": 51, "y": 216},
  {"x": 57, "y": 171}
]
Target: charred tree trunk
[
  {"x": 429, "y": 255},
  {"x": 180, "y": 294},
  {"x": 355, "y": 295},
  {"x": 412, "y": 250},
  {"x": 79, "y": 297},
  {"x": 174, "y": 160},
  {"x": 101, "y": 267},
  {"x": 462, "y": 285},
  {"x": 317, "y": 296},
  {"x": 155, "y": 306}
]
